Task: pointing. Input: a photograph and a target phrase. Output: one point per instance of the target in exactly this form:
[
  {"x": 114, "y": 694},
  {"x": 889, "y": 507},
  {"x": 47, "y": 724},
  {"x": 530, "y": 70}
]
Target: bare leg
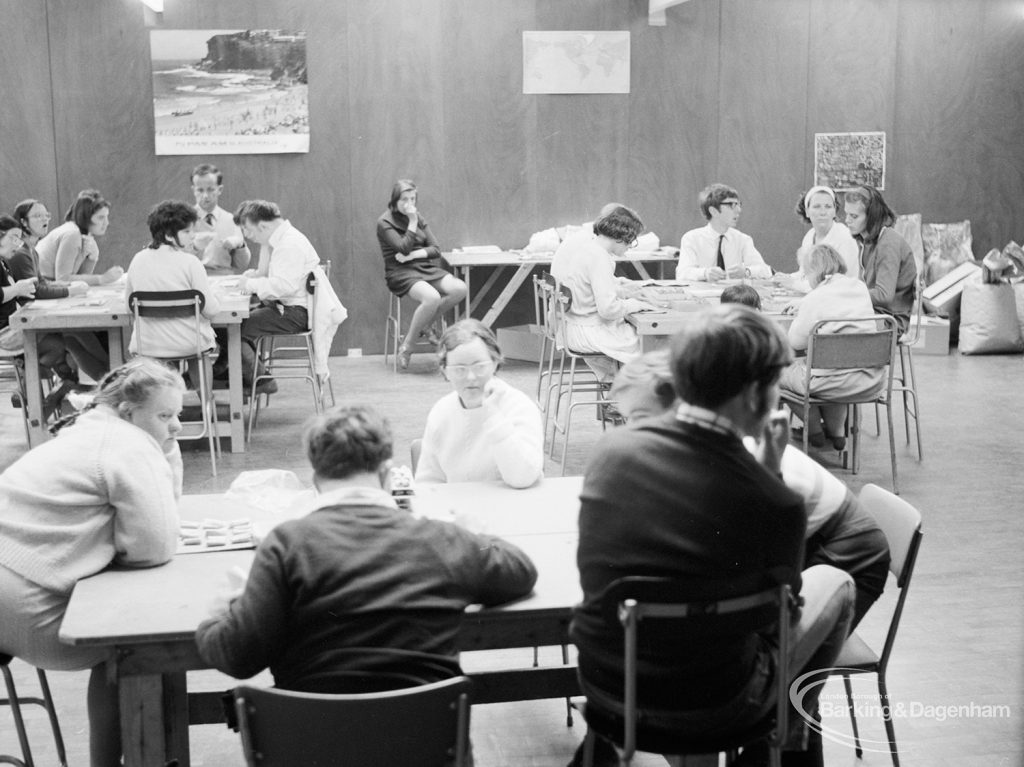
[
  {"x": 429, "y": 305},
  {"x": 89, "y": 353},
  {"x": 454, "y": 293},
  {"x": 834, "y": 417},
  {"x": 104, "y": 720}
]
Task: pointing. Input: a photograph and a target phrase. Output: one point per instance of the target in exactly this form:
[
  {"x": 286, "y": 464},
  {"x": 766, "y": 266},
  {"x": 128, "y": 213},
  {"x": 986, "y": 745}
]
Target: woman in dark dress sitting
[{"x": 412, "y": 265}]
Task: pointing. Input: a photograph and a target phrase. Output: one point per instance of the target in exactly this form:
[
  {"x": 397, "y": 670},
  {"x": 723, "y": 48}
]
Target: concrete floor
[{"x": 959, "y": 647}]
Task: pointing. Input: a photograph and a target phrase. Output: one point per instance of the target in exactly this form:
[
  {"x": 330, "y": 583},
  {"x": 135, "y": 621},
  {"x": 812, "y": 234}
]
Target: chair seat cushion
[{"x": 857, "y": 655}]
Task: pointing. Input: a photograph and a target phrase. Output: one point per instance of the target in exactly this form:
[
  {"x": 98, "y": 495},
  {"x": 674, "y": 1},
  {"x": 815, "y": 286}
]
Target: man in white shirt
[
  {"x": 719, "y": 250},
  {"x": 218, "y": 240},
  {"x": 286, "y": 259}
]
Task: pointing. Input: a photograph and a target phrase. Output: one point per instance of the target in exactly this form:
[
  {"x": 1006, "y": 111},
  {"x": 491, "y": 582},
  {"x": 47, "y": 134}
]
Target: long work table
[
  {"x": 147, "y": 618},
  {"x": 105, "y": 309},
  {"x": 678, "y": 302},
  {"x": 465, "y": 261}
]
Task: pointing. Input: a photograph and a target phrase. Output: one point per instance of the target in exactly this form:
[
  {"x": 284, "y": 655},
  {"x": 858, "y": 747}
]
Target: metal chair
[
  {"x": 290, "y": 355},
  {"x": 862, "y": 349},
  {"x": 393, "y": 333},
  {"x": 905, "y": 382},
  {"x": 15, "y": 702},
  {"x": 633, "y": 725},
  {"x": 12, "y": 382},
  {"x": 153, "y": 306},
  {"x": 542, "y": 285},
  {"x": 901, "y": 524},
  {"x": 560, "y": 300},
  {"x": 425, "y": 725}
]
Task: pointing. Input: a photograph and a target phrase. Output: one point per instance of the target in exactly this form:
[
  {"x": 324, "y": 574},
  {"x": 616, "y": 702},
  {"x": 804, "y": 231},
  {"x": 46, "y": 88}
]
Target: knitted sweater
[
  {"x": 501, "y": 440},
  {"x": 358, "y": 572},
  {"x": 103, "y": 491}
]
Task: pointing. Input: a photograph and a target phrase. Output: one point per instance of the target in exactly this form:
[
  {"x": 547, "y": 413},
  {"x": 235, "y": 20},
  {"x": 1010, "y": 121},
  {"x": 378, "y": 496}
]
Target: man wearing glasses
[{"x": 719, "y": 250}]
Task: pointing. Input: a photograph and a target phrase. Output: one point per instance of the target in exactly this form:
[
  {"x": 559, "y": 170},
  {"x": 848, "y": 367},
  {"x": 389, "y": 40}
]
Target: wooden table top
[
  {"x": 124, "y": 606},
  {"x": 107, "y": 305}
]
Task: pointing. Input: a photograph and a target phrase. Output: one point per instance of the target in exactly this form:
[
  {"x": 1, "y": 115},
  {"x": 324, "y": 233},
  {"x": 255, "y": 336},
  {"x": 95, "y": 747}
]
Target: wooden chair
[
  {"x": 901, "y": 524},
  {"x": 864, "y": 349},
  {"x": 182, "y": 304},
  {"x": 634, "y": 602},
  {"x": 566, "y": 384},
  {"x": 290, "y": 355},
  {"x": 425, "y": 725},
  {"x": 15, "y": 702}
]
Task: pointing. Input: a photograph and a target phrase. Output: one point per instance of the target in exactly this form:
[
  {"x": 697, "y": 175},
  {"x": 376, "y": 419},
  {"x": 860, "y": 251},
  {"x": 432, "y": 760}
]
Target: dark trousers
[{"x": 275, "y": 319}]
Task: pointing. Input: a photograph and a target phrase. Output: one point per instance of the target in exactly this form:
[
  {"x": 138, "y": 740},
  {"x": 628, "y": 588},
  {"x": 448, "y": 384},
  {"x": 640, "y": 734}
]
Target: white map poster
[
  {"x": 575, "y": 62},
  {"x": 846, "y": 160},
  {"x": 229, "y": 91}
]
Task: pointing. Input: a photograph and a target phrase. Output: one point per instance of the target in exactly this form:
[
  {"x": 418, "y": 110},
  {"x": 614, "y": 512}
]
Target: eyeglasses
[
  {"x": 479, "y": 369},
  {"x": 736, "y": 204}
]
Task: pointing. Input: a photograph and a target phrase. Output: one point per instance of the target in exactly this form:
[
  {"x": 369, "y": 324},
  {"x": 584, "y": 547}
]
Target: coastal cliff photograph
[{"x": 222, "y": 91}]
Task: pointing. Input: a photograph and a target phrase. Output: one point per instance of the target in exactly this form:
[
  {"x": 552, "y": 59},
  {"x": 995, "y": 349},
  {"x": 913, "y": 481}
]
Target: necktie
[
  {"x": 720, "y": 260},
  {"x": 209, "y": 219}
]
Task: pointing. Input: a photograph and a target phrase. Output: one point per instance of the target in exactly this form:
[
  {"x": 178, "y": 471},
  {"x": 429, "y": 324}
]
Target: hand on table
[
  {"x": 77, "y": 288},
  {"x": 638, "y": 305},
  {"x": 737, "y": 272},
  {"x": 629, "y": 288},
  {"x": 714, "y": 274},
  {"x": 21, "y": 289},
  {"x": 228, "y": 592}
]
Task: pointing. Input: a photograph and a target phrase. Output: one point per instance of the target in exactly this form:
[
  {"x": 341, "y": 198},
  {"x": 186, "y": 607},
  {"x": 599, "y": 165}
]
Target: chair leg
[
  {"x": 853, "y": 716},
  {"x": 890, "y": 730},
  {"x": 892, "y": 446},
  {"x": 911, "y": 394},
  {"x": 19, "y": 721},
  {"x": 568, "y": 701},
  {"x": 51, "y": 712}
]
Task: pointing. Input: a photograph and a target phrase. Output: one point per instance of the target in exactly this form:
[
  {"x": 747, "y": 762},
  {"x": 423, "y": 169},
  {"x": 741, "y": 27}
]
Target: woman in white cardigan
[
  {"x": 104, "y": 491},
  {"x": 834, "y": 296},
  {"x": 484, "y": 429}
]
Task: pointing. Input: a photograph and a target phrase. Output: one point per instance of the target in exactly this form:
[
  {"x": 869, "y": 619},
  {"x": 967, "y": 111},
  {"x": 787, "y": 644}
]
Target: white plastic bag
[
  {"x": 276, "y": 491},
  {"x": 988, "y": 319}
]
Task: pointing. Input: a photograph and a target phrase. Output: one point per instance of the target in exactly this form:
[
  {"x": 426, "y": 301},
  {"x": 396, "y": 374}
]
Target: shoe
[
  {"x": 816, "y": 439},
  {"x": 16, "y": 401},
  {"x": 266, "y": 386},
  {"x": 404, "y": 355},
  {"x": 838, "y": 441}
]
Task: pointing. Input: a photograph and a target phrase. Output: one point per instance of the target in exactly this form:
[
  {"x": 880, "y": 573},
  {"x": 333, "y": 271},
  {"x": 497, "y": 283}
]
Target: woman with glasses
[
  {"x": 484, "y": 429},
  {"x": 886, "y": 260},
  {"x": 13, "y": 292},
  {"x": 595, "y": 321}
]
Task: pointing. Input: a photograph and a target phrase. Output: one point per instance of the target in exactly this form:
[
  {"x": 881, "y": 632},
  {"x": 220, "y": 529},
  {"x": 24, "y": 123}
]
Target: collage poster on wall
[
  {"x": 223, "y": 91},
  {"x": 846, "y": 160}
]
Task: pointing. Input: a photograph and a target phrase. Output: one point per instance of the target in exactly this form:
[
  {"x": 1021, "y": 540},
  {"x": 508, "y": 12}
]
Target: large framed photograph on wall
[
  {"x": 847, "y": 160},
  {"x": 229, "y": 91}
]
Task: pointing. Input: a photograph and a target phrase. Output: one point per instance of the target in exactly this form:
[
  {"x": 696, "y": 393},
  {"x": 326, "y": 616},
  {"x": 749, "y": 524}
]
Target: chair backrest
[
  {"x": 548, "y": 287},
  {"x": 415, "y": 448},
  {"x": 860, "y": 349},
  {"x": 561, "y": 302},
  {"x": 901, "y": 524},
  {"x": 640, "y": 600},
  {"x": 426, "y": 725},
  {"x": 167, "y": 304}
]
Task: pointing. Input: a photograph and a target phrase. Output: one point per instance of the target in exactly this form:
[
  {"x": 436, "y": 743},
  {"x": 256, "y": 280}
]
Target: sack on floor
[{"x": 988, "y": 322}]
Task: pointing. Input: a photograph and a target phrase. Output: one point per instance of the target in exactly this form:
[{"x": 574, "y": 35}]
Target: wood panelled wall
[{"x": 729, "y": 90}]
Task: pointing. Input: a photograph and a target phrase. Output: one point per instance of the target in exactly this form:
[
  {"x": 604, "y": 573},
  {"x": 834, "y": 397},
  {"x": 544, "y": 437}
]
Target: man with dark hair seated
[
  {"x": 679, "y": 496},
  {"x": 356, "y": 572}
]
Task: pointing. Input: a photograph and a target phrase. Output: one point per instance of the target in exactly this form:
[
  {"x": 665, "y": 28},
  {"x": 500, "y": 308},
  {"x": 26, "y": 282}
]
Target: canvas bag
[{"x": 988, "y": 319}]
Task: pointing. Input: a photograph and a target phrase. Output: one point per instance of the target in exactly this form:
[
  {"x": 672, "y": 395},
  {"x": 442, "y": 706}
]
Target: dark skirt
[{"x": 401, "y": 279}]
